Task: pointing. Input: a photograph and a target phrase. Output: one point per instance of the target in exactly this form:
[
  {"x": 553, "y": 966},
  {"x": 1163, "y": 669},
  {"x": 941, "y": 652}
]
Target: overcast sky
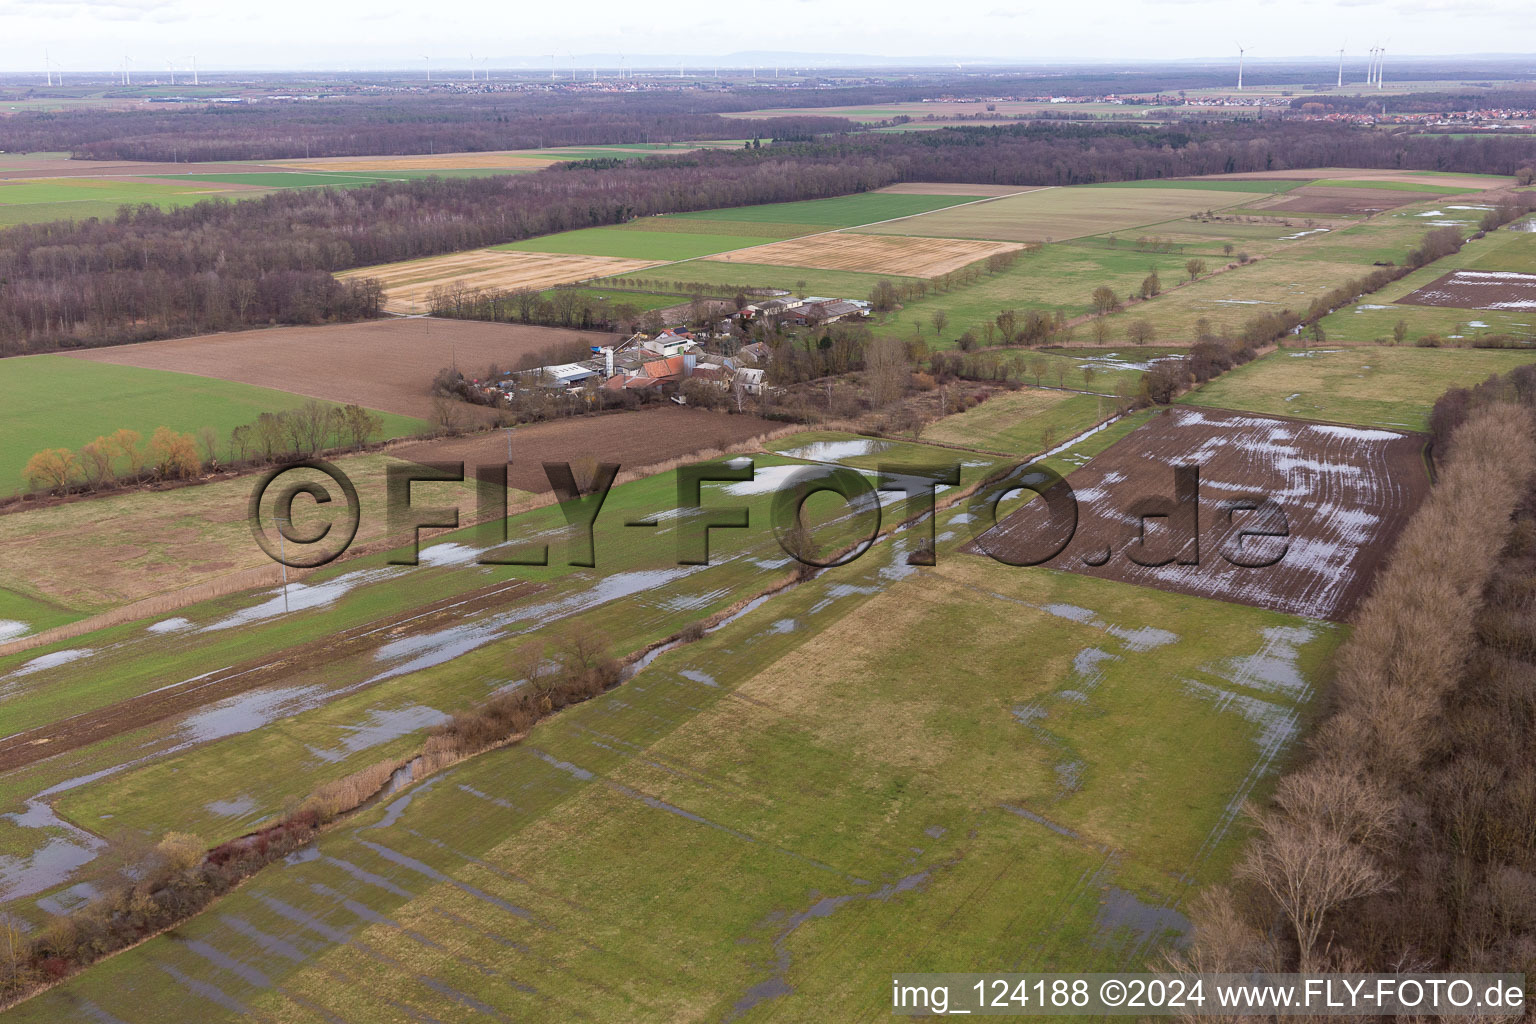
[{"x": 95, "y": 34}]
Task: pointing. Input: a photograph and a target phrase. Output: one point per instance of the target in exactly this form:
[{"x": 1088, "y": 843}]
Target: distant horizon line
[{"x": 745, "y": 61}]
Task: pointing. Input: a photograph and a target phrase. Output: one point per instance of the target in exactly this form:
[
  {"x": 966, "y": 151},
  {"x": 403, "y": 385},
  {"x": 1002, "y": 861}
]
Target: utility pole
[{"x": 282, "y": 557}]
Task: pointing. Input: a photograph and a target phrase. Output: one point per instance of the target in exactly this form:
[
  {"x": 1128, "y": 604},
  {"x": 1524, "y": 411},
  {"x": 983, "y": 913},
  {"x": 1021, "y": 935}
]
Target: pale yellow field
[
  {"x": 871, "y": 254},
  {"x": 1054, "y": 214},
  {"x": 407, "y": 285}
]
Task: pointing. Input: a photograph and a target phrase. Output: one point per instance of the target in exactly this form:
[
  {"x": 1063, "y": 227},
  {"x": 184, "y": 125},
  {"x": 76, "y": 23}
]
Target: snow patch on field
[
  {"x": 1293, "y": 516},
  {"x": 1354, "y": 433},
  {"x": 1497, "y": 275},
  {"x": 303, "y": 596}
]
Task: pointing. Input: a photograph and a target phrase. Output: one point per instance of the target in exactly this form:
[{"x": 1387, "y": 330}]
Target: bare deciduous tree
[{"x": 1309, "y": 872}]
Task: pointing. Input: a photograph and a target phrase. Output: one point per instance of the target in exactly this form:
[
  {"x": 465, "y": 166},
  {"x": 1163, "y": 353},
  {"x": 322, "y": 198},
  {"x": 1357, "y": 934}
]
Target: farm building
[
  {"x": 566, "y": 374},
  {"x": 750, "y": 380}
]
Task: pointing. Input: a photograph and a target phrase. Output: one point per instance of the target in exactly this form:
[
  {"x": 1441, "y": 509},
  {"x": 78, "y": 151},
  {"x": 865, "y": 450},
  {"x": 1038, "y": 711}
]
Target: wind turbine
[
  {"x": 48, "y": 68},
  {"x": 194, "y": 69},
  {"x": 171, "y": 63},
  {"x": 1240, "y": 52},
  {"x": 429, "y": 65},
  {"x": 551, "y": 67},
  {"x": 1341, "y": 68},
  {"x": 127, "y": 75},
  {"x": 1381, "y": 57}
]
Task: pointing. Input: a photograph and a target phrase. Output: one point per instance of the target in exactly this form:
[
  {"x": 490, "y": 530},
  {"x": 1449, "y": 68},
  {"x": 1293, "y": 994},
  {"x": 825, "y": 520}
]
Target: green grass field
[
  {"x": 289, "y": 179},
  {"x": 840, "y": 283},
  {"x": 1370, "y": 386},
  {"x": 1058, "y": 213},
  {"x": 1205, "y": 185},
  {"x": 1377, "y": 314},
  {"x": 86, "y": 557},
  {"x": 1024, "y": 422},
  {"x": 1049, "y": 819},
  {"x": 762, "y": 230},
  {"x": 1229, "y": 298},
  {"x": 58, "y": 190},
  {"x": 23, "y": 614},
  {"x": 840, "y": 212},
  {"x": 1061, "y": 276},
  {"x": 1395, "y": 186},
  {"x": 640, "y": 300},
  {"x": 632, "y": 243},
  {"x": 53, "y": 401},
  {"x": 687, "y": 236},
  {"x": 36, "y": 200},
  {"x": 1024, "y": 770}
]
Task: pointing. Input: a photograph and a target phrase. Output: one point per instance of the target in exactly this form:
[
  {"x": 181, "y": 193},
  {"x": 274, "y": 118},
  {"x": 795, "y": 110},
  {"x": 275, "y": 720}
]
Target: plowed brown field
[
  {"x": 1345, "y": 493},
  {"x": 871, "y": 254},
  {"x": 380, "y": 364},
  {"x": 1477, "y": 289},
  {"x": 634, "y": 440}
]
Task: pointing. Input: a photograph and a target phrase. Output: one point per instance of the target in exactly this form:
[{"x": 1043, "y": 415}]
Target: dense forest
[
  {"x": 1426, "y": 102},
  {"x": 389, "y": 116},
  {"x": 398, "y": 124},
  {"x": 217, "y": 265},
  {"x": 153, "y": 273},
  {"x": 1406, "y": 840}
]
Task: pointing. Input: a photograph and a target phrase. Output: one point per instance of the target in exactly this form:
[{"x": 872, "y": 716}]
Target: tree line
[
  {"x": 400, "y": 124},
  {"x": 1406, "y": 840},
  {"x": 151, "y": 273},
  {"x": 124, "y": 458}
]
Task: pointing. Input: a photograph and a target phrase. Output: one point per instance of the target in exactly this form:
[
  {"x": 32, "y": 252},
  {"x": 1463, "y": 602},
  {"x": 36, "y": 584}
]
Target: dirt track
[
  {"x": 632, "y": 439},
  {"x": 381, "y": 364},
  {"x": 1345, "y": 493}
]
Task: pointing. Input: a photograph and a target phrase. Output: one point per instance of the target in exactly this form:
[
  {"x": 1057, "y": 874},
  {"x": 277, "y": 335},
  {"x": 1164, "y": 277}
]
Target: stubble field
[{"x": 408, "y": 286}]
